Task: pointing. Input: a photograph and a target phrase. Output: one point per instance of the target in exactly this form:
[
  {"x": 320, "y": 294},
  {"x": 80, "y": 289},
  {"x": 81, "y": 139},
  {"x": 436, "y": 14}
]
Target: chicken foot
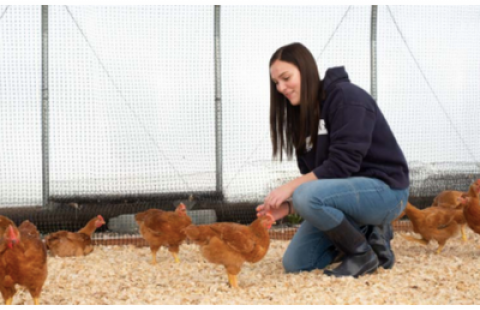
[
  {"x": 411, "y": 238},
  {"x": 232, "y": 280},
  {"x": 440, "y": 248},
  {"x": 175, "y": 256}
]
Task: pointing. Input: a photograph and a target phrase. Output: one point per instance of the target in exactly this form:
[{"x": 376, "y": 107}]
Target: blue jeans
[{"x": 323, "y": 204}]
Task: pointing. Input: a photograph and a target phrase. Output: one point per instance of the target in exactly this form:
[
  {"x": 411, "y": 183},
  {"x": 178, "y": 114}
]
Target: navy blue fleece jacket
[{"x": 354, "y": 139}]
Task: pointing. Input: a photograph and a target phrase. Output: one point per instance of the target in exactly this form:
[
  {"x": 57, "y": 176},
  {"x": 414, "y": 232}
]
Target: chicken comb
[
  {"x": 462, "y": 200},
  {"x": 100, "y": 217},
  {"x": 11, "y": 232},
  {"x": 268, "y": 214},
  {"x": 181, "y": 205}
]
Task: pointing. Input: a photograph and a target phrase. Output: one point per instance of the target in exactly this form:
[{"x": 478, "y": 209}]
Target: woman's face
[{"x": 287, "y": 78}]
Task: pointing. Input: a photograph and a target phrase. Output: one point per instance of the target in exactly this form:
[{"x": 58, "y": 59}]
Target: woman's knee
[
  {"x": 303, "y": 197},
  {"x": 290, "y": 264}
]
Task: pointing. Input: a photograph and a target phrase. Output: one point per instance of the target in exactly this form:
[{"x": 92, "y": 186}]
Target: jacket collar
[{"x": 333, "y": 76}]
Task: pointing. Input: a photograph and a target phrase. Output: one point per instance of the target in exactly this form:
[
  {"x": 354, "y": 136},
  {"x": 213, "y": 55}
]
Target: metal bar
[
  {"x": 218, "y": 102},
  {"x": 45, "y": 149},
  {"x": 373, "y": 52}
]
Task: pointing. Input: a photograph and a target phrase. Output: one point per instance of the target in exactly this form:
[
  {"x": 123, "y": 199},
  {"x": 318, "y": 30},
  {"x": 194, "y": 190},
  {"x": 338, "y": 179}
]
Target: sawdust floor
[{"x": 123, "y": 275}]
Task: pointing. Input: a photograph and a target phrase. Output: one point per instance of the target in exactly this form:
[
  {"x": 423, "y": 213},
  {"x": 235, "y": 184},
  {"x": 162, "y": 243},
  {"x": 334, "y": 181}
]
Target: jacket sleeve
[
  {"x": 302, "y": 166},
  {"x": 351, "y": 127}
]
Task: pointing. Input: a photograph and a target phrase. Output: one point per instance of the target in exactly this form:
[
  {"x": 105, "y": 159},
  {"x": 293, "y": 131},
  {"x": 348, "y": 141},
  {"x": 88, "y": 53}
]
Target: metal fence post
[
  {"x": 218, "y": 103},
  {"x": 45, "y": 148}
]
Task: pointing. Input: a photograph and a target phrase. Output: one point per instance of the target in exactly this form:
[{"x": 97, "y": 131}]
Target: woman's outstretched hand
[
  {"x": 278, "y": 196},
  {"x": 277, "y": 213},
  {"x": 276, "y": 201}
]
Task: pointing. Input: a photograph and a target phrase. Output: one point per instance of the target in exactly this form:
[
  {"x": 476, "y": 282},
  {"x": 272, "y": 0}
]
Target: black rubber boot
[
  {"x": 359, "y": 257},
  {"x": 379, "y": 239}
]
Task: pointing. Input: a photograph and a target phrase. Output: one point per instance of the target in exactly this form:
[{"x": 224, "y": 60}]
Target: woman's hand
[
  {"x": 276, "y": 200},
  {"x": 277, "y": 213},
  {"x": 276, "y": 197}
]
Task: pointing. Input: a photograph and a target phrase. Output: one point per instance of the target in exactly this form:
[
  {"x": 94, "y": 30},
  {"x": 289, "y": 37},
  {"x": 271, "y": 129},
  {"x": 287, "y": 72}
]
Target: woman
[{"x": 354, "y": 175}]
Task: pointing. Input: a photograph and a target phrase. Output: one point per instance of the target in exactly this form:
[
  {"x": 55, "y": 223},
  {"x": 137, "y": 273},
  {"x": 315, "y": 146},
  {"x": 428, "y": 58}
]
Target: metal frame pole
[
  {"x": 373, "y": 52},
  {"x": 218, "y": 102},
  {"x": 45, "y": 148}
]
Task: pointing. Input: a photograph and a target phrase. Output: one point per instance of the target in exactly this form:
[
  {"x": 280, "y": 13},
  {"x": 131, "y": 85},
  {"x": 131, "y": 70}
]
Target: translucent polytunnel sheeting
[
  {"x": 336, "y": 36},
  {"x": 132, "y": 99},
  {"x": 428, "y": 80},
  {"x": 20, "y": 106},
  {"x": 132, "y": 94},
  {"x": 428, "y": 89}
]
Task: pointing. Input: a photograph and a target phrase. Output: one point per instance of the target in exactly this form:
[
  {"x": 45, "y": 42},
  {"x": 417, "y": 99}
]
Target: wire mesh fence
[{"x": 135, "y": 110}]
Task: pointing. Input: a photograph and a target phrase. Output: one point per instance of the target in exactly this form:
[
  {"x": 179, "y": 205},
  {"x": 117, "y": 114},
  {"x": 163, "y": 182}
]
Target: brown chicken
[
  {"x": 450, "y": 200},
  {"x": 164, "y": 228},
  {"x": 433, "y": 223},
  {"x": 64, "y": 243},
  {"x": 471, "y": 209},
  {"x": 232, "y": 244},
  {"x": 23, "y": 260}
]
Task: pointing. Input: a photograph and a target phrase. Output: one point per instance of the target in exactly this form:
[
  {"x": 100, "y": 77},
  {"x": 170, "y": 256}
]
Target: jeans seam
[
  {"x": 348, "y": 193},
  {"x": 311, "y": 255},
  {"x": 312, "y": 251},
  {"x": 398, "y": 206},
  {"x": 320, "y": 258}
]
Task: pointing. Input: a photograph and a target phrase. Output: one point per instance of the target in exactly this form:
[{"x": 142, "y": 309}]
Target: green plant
[{"x": 293, "y": 219}]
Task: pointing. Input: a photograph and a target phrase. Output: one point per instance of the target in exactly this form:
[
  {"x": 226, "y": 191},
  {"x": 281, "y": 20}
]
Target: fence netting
[{"x": 139, "y": 117}]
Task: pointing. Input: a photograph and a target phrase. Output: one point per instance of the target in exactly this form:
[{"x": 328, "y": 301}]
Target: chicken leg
[
  {"x": 154, "y": 258},
  {"x": 411, "y": 238},
  {"x": 175, "y": 256},
  {"x": 232, "y": 280},
  {"x": 440, "y": 248},
  {"x": 35, "y": 301},
  {"x": 9, "y": 301},
  {"x": 464, "y": 234}
]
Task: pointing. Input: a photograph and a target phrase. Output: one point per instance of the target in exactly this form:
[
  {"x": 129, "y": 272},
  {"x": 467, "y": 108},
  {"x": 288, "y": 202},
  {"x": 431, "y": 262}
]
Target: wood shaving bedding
[{"x": 122, "y": 275}]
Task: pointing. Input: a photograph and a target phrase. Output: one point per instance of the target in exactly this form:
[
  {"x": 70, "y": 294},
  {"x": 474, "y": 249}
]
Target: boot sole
[{"x": 369, "y": 271}]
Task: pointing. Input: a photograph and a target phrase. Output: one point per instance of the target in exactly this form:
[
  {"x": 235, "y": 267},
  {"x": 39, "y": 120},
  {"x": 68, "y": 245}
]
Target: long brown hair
[{"x": 291, "y": 125}]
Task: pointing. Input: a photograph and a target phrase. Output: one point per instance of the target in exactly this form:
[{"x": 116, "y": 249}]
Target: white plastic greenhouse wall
[{"x": 132, "y": 93}]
